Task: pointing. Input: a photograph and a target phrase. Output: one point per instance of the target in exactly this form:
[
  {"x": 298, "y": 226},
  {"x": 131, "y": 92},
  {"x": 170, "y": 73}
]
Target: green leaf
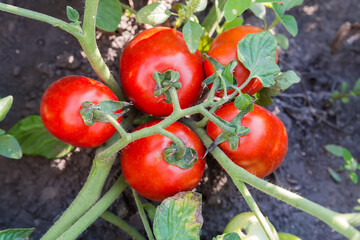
[
  {"x": 263, "y": 97},
  {"x": 72, "y": 14},
  {"x": 283, "y": 41},
  {"x": 213, "y": 18},
  {"x": 345, "y": 100},
  {"x": 228, "y": 236},
  {"x": 234, "y": 8},
  {"x": 192, "y": 33},
  {"x": 334, "y": 150},
  {"x": 5, "y": 105},
  {"x": 344, "y": 87},
  {"x": 9, "y": 147},
  {"x": 201, "y": 5},
  {"x": 2, "y": 132},
  {"x": 290, "y": 24},
  {"x": 334, "y": 175},
  {"x": 234, "y": 23},
  {"x": 108, "y": 15},
  {"x": 259, "y": 10},
  {"x": 266, "y": 1},
  {"x": 185, "y": 162},
  {"x": 205, "y": 43},
  {"x": 353, "y": 177},
  {"x": 288, "y": 4},
  {"x": 92, "y": 113},
  {"x": 257, "y": 53},
  {"x": 16, "y": 234},
  {"x": 357, "y": 86},
  {"x": 348, "y": 158},
  {"x": 35, "y": 140},
  {"x": 150, "y": 209},
  {"x": 154, "y": 13},
  {"x": 242, "y": 101},
  {"x": 179, "y": 217}
]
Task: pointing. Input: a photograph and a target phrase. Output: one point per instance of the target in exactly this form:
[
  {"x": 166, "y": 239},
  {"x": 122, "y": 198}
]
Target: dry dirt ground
[{"x": 34, "y": 191}]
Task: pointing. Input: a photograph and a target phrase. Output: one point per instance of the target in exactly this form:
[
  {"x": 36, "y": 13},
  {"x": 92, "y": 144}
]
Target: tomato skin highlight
[
  {"x": 159, "y": 49},
  {"x": 262, "y": 150},
  {"x": 60, "y": 111},
  {"x": 146, "y": 170},
  {"x": 224, "y": 50}
]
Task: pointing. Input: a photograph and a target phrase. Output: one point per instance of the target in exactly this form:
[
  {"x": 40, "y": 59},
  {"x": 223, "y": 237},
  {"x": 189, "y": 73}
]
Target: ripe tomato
[
  {"x": 159, "y": 49},
  {"x": 146, "y": 170},
  {"x": 262, "y": 150},
  {"x": 60, "y": 111},
  {"x": 224, "y": 49}
]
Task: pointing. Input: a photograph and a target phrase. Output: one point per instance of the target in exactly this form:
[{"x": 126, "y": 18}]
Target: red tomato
[
  {"x": 224, "y": 49},
  {"x": 159, "y": 49},
  {"x": 146, "y": 170},
  {"x": 60, "y": 111},
  {"x": 262, "y": 150}
]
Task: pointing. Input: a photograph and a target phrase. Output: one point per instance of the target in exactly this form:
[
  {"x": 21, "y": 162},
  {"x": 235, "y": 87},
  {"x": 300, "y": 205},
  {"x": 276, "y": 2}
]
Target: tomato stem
[
  {"x": 255, "y": 208},
  {"x": 333, "y": 219},
  {"x": 143, "y": 215},
  {"x": 176, "y": 140},
  {"x": 117, "y": 125},
  {"x": 112, "y": 218},
  {"x": 175, "y": 99},
  {"x": 95, "y": 211},
  {"x": 85, "y": 199}
]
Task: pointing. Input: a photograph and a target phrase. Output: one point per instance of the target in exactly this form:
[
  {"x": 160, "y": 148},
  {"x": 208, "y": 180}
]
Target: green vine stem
[
  {"x": 178, "y": 141},
  {"x": 88, "y": 195},
  {"x": 95, "y": 211},
  {"x": 174, "y": 99},
  {"x": 254, "y": 208},
  {"x": 86, "y": 38},
  {"x": 117, "y": 125},
  {"x": 335, "y": 220},
  {"x": 112, "y": 218},
  {"x": 143, "y": 215}
]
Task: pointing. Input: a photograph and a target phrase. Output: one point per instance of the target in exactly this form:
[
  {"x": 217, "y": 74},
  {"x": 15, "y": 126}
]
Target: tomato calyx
[
  {"x": 92, "y": 113},
  {"x": 244, "y": 103},
  {"x": 184, "y": 158},
  {"x": 223, "y": 74},
  {"x": 164, "y": 81}
]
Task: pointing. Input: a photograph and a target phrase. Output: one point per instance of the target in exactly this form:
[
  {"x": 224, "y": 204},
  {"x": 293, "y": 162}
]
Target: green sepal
[
  {"x": 5, "y": 105},
  {"x": 227, "y": 236},
  {"x": 186, "y": 161},
  {"x": 16, "y": 234},
  {"x": 179, "y": 217},
  {"x": 243, "y": 100},
  {"x": 224, "y": 73},
  {"x": 164, "y": 81},
  {"x": 91, "y": 113}
]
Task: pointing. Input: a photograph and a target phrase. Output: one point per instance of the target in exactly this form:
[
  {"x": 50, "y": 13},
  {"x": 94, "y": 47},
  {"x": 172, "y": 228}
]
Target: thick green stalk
[
  {"x": 112, "y": 218},
  {"x": 255, "y": 208},
  {"x": 95, "y": 211},
  {"x": 333, "y": 219},
  {"x": 174, "y": 99},
  {"x": 143, "y": 216},
  {"x": 88, "y": 195}
]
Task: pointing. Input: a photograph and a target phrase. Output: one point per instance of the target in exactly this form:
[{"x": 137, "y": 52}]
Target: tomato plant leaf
[
  {"x": 242, "y": 101},
  {"x": 213, "y": 18},
  {"x": 179, "y": 217},
  {"x": 9, "y": 147},
  {"x": 108, "y": 15},
  {"x": 334, "y": 150},
  {"x": 357, "y": 86},
  {"x": 257, "y": 52},
  {"x": 72, "y": 14},
  {"x": 192, "y": 32},
  {"x": 234, "y": 23},
  {"x": 290, "y": 24},
  {"x": 259, "y": 10},
  {"x": 35, "y": 140},
  {"x": 2, "y": 132},
  {"x": 348, "y": 158},
  {"x": 92, "y": 113},
  {"x": 154, "y": 13},
  {"x": 197, "y": 5},
  {"x": 234, "y": 8},
  {"x": 5, "y": 105},
  {"x": 228, "y": 236},
  {"x": 353, "y": 177},
  {"x": 16, "y": 234},
  {"x": 283, "y": 41},
  {"x": 334, "y": 175},
  {"x": 288, "y": 4},
  {"x": 185, "y": 162}
]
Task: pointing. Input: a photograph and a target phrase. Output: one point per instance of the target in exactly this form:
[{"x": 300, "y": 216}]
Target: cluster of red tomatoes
[{"x": 159, "y": 49}]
